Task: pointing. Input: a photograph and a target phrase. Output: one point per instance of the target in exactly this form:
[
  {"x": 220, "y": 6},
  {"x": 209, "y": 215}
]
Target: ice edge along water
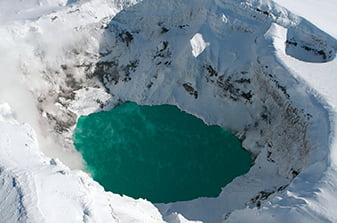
[{"x": 40, "y": 189}]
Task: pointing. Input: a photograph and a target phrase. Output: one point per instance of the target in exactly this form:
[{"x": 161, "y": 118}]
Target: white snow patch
[{"x": 198, "y": 44}]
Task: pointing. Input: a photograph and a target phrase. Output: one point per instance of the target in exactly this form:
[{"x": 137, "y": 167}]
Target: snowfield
[
  {"x": 263, "y": 69},
  {"x": 35, "y": 188}
]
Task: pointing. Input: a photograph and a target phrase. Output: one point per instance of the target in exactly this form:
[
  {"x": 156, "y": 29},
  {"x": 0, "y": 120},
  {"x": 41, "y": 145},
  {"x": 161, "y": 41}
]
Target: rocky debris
[
  {"x": 261, "y": 196},
  {"x": 163, "y": 54},
  {"x": 188, "y": 87},
  {"x": 235, "y": 86}
]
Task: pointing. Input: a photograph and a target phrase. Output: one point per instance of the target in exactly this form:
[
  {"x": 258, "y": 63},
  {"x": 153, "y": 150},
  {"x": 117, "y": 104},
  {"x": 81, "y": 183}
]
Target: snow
[
  {"x": 21, "y": 10},
  {"x": 310, "y": 197},
  {"x": 320, "y": 13},
  {"x": 7, "y": 114},
  {"x": 263, "y": 69},
  {"x": 198, "y": 44},
  {"x": 40, "y": 189}
]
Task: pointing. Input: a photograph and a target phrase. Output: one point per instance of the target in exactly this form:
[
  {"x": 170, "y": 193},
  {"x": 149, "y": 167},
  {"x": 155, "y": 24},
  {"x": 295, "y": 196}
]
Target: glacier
[{"x": 262, "y": 69}]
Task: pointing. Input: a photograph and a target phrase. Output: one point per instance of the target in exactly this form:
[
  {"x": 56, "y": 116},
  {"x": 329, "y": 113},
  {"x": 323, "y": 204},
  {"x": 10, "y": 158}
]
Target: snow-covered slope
[
  {"x": 35, "y": 188},
  {"x": 250, "y": 66}
]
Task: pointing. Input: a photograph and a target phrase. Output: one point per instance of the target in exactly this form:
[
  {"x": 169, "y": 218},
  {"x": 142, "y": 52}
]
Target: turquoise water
[{"x": 159, "y": 153}]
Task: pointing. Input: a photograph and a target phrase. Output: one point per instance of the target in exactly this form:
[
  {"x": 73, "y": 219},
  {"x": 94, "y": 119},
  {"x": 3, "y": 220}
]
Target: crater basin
[{"x": 158, "y": 153}]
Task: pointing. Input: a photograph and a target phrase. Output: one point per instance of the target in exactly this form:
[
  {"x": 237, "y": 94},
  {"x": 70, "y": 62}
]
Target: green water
[{"x": 159, "y": 153}]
